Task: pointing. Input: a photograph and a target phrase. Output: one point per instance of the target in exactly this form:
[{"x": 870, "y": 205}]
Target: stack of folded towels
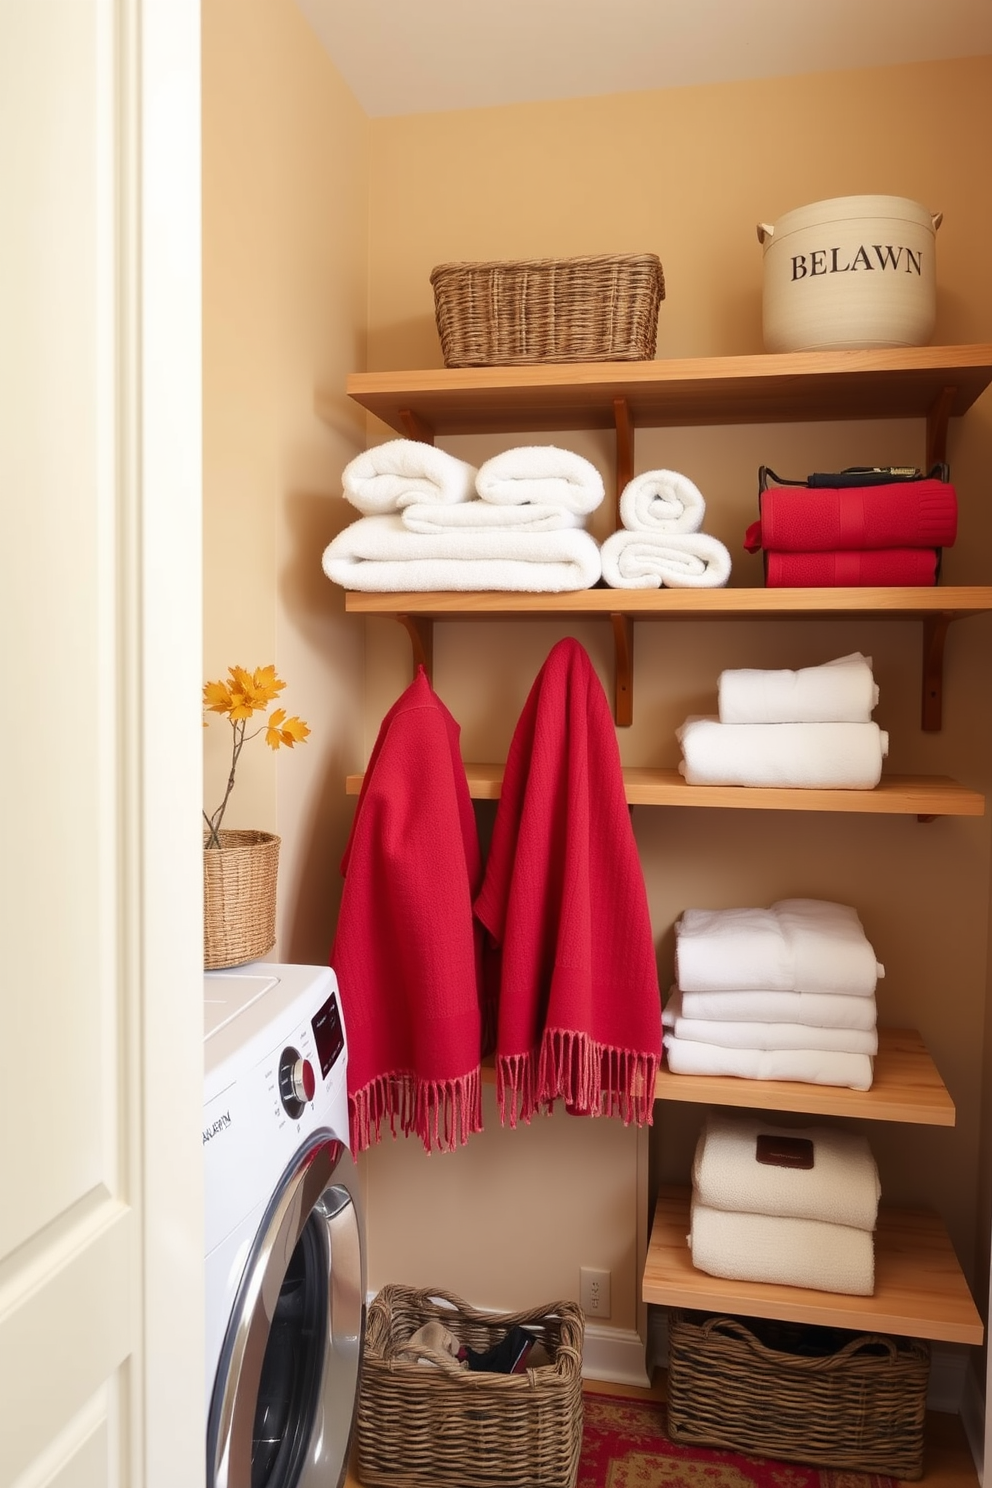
[
  {"x": 659, "y": 544},
  {"x": 433, "y": 522},
  {"x": 791, "y": 1206},
  {"x": 810, "y": 728},
  {"x": 828, "y": 536},
  {"x": 786, "y": 993}
]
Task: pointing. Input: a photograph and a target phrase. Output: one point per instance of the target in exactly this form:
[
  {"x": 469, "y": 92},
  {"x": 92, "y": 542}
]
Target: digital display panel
[{"x": 328, "y": 1034}]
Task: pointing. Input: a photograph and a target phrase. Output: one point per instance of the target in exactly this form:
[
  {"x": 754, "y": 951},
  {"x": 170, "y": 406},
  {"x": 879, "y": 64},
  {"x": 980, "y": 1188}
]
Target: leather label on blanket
[{"x": 784, "y": 1152}]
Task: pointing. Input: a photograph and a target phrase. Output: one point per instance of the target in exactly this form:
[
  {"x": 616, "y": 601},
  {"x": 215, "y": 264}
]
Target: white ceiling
[{"x": 421, "y": 56}]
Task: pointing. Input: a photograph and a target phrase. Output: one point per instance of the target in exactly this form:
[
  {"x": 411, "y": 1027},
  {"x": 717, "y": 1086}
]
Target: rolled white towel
[
  {"x": 796, "y": 945},
  {"x": 381, "y": 555},
  {"x": 478, "y": 514},
  {"x": 788, "y": 1252},
  {"x": 803, "y": 1066},
  {"x": 741, "y": 1034},
  {"x": 662, "y": 501},
  {"x": 400, "y": 472},
  {"x": 841, "y": 1187},
  {"x": 826, "y": 1010},
  {"x": 841, "y": 691},
  {"x": 804, "y": 756},
  {"x": 541, "y": 473},
  {"x": 674, "y": 560}
]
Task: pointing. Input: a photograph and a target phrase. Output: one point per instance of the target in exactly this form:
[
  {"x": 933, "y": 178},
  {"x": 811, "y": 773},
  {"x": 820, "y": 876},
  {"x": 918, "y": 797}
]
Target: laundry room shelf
[
  {"x": 920, "y": 1290},
  {"x": 906, "y": 1087},
  {"x": 921, "y": 796}
]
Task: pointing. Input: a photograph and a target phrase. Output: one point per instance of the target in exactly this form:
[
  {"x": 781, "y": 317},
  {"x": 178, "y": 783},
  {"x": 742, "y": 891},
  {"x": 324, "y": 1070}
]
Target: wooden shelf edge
[
  {"x": 906, "y": 1088},
  {"x": 920, "y": 1290}
]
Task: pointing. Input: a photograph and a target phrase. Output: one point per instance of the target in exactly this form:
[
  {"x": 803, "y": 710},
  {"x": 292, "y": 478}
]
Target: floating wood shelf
[
  {"x": 920, "y": 1290},
  {"x": 935, "y": 607},
  {"x": 922, "y": 796},
  {"x": 906, "y": 1087}
]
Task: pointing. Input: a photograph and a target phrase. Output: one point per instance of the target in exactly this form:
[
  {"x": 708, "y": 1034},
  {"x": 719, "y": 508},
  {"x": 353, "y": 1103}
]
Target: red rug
[{"x": 624, "y": 1445}]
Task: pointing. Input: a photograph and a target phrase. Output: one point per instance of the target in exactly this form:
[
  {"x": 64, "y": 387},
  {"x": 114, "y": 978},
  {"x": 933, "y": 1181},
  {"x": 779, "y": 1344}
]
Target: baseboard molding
[{"x": 615, "y": 1355}]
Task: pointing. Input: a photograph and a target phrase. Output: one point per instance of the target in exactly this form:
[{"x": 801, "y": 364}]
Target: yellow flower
[
  {"x": 242, "y": 695},
  {"x": 283, "y": 730}
]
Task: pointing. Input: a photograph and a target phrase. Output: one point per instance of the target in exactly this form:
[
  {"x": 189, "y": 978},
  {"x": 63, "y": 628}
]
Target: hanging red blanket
[{"x": 564, "y": 902}]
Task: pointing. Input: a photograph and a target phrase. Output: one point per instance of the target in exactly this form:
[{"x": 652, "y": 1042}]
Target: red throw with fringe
[
  {"x": 406, "y": 952},
  {"x": 564, "y": 902}
]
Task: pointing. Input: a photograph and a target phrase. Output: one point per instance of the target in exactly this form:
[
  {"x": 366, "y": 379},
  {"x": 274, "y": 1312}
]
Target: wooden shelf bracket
[
  {"x": 938, "y": 419},
  {"x": 935, "y": 628},
  {"x": 415, "y": 427},
  {"x": 420, "y": 629},
  {"x": 623, "y": 685}
]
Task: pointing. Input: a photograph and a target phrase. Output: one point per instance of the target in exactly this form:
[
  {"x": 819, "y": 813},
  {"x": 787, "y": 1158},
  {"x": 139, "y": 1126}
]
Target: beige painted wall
[
  {"x": 688, "y": 174},
  {"x": 285, "y": 255}
]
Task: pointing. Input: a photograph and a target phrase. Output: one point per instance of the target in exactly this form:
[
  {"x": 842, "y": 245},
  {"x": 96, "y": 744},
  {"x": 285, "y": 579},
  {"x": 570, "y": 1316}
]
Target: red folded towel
[
  {"x": 877, "y": 567},
  {"x": 825, "y": 519},
  {"x": 407, "y": 948},
  {"x": 564, "y": 901}
]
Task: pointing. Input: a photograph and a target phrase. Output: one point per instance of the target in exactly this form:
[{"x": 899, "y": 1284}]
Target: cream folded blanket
[
  {"x": 382, "y": 555},
  {"x": 841, "y": 1187},
  {"x": 752, "y": 1035},
  {"x": 475, "y": 515},
  {"x": 797, "y": 945},
  {"x": 810, "y": 756},
  {"x": 841, "y": 691},
  {"x": 788, "y": 1252},
  {"x": 661, "y": 501},
  {"x": 806, "y": 1066},
  {"x": 825, "y": 1010},
  {"x": 401, "y": 471},
  {"x": 541, "y": 473},
  {"x": 674, "y": 560}
]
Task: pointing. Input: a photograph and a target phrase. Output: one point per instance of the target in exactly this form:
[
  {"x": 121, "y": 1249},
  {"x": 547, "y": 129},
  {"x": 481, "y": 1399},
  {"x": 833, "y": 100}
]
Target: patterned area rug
[{"x": 624, "y": 1446}]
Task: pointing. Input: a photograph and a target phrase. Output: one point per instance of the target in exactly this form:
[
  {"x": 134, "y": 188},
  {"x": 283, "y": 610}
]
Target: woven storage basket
[
  {"x": 594, "y": 309},
  {"x": 239, "y": 897},
  {"x": 859, "y": 1406},
  {"x": 423, "y": 1425}
]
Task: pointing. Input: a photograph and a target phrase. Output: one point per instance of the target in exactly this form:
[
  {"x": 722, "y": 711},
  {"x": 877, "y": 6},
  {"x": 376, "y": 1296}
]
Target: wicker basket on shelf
[
  {"x": 592, "y": 309},
  {"x": 859, "y": 1403},
  {"x": 426, "y": 1425}
]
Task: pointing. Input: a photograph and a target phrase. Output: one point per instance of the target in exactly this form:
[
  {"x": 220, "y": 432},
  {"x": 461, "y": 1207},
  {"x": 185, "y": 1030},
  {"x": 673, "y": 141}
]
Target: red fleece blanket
[
  {"x": 882, "y": 567},
  {"x": 564, "y": 902},
  {"x": 825, "y": 519},
  {"x": 406, "y": 951}
]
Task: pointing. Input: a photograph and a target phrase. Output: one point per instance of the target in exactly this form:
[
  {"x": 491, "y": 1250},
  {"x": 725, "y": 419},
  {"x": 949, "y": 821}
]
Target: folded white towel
[
  {"x": 826, "y": 1010},
  {"x": 841, "y": 691},
  {"x": 675, "y": 560},
  {"x": 401, "y": 471},
  {"x": 541, "y": 473},
  {"x": 477, "y": 514},
  {"x": 788, "y": 1252},
  {"x": 381, "y": 555},
  {"x": 733, "y": 1034},
  {"x": 662, "y": 501},
  {"x": 797, "y": 945},
  {"x": 841, "y": 1187},
  {"x": 804, "y": 1066},
  {"x": 805, "y": 756}
]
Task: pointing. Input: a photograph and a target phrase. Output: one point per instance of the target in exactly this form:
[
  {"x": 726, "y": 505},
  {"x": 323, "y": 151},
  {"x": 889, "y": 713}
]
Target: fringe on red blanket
[
  {"x": 592, "y": 1079},
  {"x": 442, "y": 1113}
]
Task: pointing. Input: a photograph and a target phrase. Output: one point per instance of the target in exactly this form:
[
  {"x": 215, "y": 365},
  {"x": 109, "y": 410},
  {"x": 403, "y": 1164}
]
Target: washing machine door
[{"x": 284, "y": 1398}]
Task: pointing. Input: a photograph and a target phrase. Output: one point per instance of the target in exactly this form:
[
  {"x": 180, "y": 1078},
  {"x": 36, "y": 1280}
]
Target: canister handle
[
  {"x": 764, "y": 231},
  {"x": 936, "y": 218}
]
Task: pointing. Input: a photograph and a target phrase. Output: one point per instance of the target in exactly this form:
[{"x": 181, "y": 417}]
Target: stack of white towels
[
  {"x": 659, "y": 544},
  {"x": 791, "y": 1206},
  {"x": 786, "y": 993},
  {"x": 810, "y": 728},
  {"x": 433, "y": 522}
]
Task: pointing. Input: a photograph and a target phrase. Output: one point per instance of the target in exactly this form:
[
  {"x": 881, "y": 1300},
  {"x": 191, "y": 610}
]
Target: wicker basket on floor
[
  {"x": 861, "y": 1405},
  {"x": 592, "y": 309},
  {"x": 425, "y": 1425}
]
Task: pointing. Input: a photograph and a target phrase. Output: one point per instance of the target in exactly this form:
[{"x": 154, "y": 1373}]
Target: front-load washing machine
[{"x": 285, "y": 1246}]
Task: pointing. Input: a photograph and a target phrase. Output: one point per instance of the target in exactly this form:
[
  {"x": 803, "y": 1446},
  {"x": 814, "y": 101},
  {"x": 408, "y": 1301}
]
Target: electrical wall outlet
[{"x": 594, "y": 1292}]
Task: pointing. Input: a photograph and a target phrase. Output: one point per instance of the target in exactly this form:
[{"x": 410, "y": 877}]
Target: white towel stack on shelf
[
  {"x": 791, "y": 1206},
  {"x": 659, "y": 544},
  {"x": 786, "y": 993},
  {"x": 809, "y": 729},
  {"x": 433, "y": 522}
]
